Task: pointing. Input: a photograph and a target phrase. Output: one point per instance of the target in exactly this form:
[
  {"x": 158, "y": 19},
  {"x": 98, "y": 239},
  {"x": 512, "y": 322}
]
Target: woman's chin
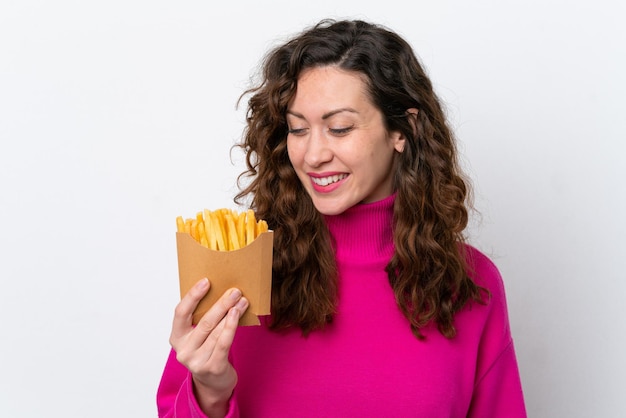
[{"x": 330, "y": 207}]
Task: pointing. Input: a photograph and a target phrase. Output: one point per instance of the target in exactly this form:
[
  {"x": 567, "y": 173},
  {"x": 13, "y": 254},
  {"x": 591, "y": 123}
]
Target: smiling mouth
[{"x": 325, "y": 181}]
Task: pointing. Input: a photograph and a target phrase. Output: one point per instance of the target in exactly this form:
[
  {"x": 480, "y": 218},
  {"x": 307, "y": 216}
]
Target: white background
[{"x": 115, "y": 117}]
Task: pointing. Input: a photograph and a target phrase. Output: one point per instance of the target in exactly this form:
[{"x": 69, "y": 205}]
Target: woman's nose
[{"x": 318, "y": 150}]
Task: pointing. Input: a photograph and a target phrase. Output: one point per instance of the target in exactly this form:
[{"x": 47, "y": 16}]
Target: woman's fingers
[
  {"x": 212, "y": 356},
  {"x": 204, "y": 349},
  {"x": 209, "y": 322},
  {"x": 227, "y": 334},
  {"x": 184, "y": 310}
]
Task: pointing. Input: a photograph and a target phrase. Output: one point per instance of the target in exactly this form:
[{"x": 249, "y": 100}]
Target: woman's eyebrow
[
  {"x": 296, "y": 114},
  {"x": 325, "y": 115},
  {"x": 334, "y": 112}
]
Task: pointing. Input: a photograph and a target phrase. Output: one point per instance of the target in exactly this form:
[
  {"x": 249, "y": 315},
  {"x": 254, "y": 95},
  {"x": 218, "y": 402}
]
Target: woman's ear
[{"x": 400, "y": 140}]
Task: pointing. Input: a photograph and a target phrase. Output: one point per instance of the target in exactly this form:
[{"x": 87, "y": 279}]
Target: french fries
[{"x": 222, "y": 229}]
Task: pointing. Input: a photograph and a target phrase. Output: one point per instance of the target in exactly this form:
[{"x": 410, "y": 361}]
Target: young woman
[{"x": 379, "y": 308}]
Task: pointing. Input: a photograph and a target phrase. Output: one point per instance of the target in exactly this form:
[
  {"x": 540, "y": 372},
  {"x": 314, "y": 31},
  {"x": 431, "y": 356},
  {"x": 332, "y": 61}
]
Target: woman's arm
[
  {"x": 497, "y": 387},
  {"x": 199, "y": 380}
]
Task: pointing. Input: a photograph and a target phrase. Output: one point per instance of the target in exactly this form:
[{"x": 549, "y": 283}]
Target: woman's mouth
[{"x": 325, "y": 181}]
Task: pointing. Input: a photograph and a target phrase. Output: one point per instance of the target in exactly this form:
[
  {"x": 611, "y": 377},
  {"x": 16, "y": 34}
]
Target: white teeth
[{"x": 325, "y": 181}]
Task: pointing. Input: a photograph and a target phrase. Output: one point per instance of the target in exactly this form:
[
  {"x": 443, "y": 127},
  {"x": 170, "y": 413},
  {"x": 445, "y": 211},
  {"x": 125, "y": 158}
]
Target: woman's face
[{"x": 337, "y": 141}]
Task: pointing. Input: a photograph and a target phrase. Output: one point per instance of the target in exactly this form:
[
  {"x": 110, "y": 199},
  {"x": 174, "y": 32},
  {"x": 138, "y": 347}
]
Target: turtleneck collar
[{"x": 364, "y": 232}]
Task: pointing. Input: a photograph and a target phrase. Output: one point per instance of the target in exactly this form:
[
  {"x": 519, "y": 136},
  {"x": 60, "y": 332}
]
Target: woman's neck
[{"x": 363, "y": 232}]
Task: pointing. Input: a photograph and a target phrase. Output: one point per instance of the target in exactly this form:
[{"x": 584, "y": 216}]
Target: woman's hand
[{"x": 204, "y": 349}]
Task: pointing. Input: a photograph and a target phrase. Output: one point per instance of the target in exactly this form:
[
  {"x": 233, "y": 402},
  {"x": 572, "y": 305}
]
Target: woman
[{"x": 378, "y": 306}]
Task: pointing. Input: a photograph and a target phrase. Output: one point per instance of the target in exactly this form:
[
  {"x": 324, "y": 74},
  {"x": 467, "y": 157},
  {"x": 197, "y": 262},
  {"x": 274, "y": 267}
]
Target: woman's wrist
[{"x": 214, "y": 403}]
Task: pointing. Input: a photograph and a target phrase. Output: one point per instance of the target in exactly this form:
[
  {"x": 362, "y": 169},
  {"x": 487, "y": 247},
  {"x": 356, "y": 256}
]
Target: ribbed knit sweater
[{"x": 367, "y": 363}]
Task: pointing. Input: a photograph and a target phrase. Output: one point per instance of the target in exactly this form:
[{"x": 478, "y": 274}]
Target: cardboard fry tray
[{"x": 249, "y": 269}]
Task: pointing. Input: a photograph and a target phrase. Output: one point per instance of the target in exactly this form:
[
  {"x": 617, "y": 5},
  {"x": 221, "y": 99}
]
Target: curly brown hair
[{"x": 428, "y": 271}]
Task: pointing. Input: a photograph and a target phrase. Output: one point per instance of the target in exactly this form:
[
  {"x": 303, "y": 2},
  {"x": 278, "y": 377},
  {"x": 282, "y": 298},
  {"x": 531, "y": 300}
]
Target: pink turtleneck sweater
[{"x": 367, "y": 363}]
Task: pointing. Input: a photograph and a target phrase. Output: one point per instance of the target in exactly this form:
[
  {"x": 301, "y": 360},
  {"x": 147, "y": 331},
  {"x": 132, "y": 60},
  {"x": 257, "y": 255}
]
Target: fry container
[{"x": 248, "y": 269}]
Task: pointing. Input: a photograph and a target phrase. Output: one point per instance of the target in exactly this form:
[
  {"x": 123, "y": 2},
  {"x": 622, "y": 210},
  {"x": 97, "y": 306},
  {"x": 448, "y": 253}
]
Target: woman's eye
[
  {"x": 340, "y": 131},
  {"x": 297, "y": 131}
]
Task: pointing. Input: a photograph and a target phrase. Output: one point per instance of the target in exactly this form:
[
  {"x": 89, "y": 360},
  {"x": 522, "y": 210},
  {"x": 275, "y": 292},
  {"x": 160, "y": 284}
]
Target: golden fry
[
  {"x": 219, "y": 231},
  {"x": 241, "y": 228},
  {"x": 209, "y": 230},
  {"x": 194, "y": 230},
  {"x": 222, "y": 229},
  {"x": 180, "y": 224},
  {"x": 250, "y": 226},
  {"x": 261, "y": 227},
  {"x": 202, "y": 234},
  {"x": 233, "y": 239}
]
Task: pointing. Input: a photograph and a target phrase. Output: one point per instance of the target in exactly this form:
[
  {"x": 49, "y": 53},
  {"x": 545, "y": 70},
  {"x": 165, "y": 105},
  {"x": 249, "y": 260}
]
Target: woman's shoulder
[{"x": 482, "y": 270}]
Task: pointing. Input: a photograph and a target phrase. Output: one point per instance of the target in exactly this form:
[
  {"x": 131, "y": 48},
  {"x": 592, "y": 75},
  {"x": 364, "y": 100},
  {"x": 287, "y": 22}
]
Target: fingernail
[
  {"x": 235, "y": 294},
  {"x": 202, "y": 284},
  {"x": 242, "y": 304}
]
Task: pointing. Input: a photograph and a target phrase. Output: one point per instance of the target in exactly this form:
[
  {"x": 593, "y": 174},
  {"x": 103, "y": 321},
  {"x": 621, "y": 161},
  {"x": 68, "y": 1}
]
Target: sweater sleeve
[
  {"x": 499, "y": 392},
  {"x": 497, "y": 388},
  {"x": 175, "y": 396}
]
